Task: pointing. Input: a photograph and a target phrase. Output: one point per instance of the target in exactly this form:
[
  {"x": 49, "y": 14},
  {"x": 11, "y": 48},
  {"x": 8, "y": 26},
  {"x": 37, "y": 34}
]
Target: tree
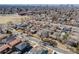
[{"x": 53, "y": 43}]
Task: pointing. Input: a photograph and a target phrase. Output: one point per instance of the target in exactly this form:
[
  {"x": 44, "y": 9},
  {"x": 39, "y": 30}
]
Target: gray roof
[
  {"x": 9, "y": 39},
  {"x": 21, "y": 46}
]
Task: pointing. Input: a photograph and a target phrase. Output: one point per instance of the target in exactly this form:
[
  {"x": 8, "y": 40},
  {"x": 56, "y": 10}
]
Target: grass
[{"x": 12, "y": 18}]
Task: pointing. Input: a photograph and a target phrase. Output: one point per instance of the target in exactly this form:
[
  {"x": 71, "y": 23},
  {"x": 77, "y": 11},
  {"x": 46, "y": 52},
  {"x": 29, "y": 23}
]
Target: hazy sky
[{"x": 39, "y": 1}]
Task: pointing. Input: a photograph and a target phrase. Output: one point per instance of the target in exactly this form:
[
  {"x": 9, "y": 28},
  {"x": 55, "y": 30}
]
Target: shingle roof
[
  {"x": 4, "y": 47},
  {"x": 10, "y": 38},
  {"x": 14, "y": 42}
]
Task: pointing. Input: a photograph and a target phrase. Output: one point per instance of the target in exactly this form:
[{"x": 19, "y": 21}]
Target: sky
[{"x": 39, "y": 1}]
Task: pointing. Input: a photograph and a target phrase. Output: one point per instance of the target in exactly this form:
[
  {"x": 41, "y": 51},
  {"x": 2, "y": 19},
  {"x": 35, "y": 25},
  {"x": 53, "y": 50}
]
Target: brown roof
[
  {"x": 2, "y": 36},
  {"x": 14, "y": 42},
  {"x": 9, "y": 45},
  {"x": 4, "y": 47}
]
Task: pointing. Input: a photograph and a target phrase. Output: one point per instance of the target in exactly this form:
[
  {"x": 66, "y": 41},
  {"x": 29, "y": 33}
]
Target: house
[
  {"x": 4, "y": 48},
  {"x": 22, "y": 13},
  {"x": 38, "y": 50},
  {"x": 66, "y": 30},
  {"x": 10, "y": 38},
  {"x": 2, "y": 36},
  {"x": 43, "y": 33},
  {"x": 14, "y": 42},
  {"x": 72, "y": 42},
  {"x": 23, "y": 47}
]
